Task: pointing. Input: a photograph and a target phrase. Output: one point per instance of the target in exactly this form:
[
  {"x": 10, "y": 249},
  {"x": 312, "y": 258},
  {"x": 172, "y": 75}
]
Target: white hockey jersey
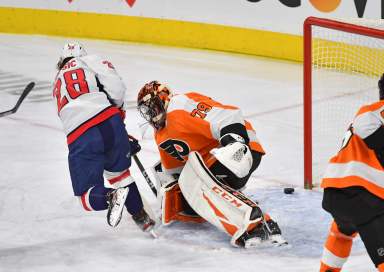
[{"x": 88, "y": 91}]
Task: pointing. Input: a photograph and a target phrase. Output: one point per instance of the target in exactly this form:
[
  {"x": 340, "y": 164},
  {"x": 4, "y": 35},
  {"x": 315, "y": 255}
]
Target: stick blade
[
  {"x": 5, "y": 113},
  {"x": 23, "y": 95}
]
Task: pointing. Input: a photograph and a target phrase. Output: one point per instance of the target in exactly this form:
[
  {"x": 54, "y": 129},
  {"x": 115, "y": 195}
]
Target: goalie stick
[
  {"x": 24, "y": 94},
  {"x": 145, "y": 174}
]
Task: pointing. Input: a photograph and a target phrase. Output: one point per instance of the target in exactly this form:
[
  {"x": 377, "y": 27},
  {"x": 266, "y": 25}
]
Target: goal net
[{"x": 343, "y": 61}]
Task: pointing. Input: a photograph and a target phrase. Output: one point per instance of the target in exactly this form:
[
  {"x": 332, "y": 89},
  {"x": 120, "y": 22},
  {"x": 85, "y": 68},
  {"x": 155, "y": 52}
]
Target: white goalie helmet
[{"x": 73, "y": 49}]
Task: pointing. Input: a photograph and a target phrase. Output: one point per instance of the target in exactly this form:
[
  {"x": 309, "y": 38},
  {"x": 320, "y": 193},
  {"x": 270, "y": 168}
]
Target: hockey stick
[
  {"x": 24, "y": 94},
  {"x": 145, "y": 174}
]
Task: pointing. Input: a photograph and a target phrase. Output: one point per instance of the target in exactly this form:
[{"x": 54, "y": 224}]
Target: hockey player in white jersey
[{"x": 90, "y": 103}]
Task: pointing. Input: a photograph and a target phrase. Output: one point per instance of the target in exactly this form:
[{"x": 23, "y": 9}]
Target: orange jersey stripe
[
  {"x": 371, "y": 107},
  {"x": 356, "y": 150},
  {"x": 256, "y": 147},
  {"x": 349, "y": 181}
]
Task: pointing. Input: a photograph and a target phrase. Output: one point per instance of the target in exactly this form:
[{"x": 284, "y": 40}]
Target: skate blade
[
  {"x": 154, "y": 234},
  {"x": 277, "y": 240},
  {"x": 254, "y": 242}
]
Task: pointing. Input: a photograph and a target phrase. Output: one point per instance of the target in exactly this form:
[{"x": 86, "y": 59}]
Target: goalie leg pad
[
  {"x": 227, "y": 209},
  {"x": 172, "y": 206}
]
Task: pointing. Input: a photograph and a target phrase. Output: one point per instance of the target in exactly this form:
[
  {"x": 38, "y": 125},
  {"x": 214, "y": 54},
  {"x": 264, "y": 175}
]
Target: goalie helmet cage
[{"x": 346, "y": 60}]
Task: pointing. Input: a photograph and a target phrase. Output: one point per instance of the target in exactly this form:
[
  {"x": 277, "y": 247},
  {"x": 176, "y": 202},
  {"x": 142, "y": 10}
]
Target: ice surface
[{"x": 43, "y": 228}]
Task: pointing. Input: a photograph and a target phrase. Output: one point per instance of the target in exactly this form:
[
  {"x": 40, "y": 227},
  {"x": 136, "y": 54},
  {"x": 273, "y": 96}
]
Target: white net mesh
[{"x": 345, "y": 71}]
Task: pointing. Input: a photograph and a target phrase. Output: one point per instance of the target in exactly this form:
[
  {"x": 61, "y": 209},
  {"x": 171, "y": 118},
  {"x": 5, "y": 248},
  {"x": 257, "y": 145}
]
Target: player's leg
[
  {"x": 372, "y": 235},
  {"x": 95, "y": 199},
  {"x": 339, "y": 203},
  {"x": 86, "y": 164},
  {"x": 337, "y": 247},
  {"x": 370, "y": 224},
  {"x": 117, "y": 174},
  {"x": 352, "y": 208}
]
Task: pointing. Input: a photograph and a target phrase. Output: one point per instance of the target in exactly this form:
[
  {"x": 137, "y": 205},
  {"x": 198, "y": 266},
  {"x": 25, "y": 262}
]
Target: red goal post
[{"x": 339, "y": 63}]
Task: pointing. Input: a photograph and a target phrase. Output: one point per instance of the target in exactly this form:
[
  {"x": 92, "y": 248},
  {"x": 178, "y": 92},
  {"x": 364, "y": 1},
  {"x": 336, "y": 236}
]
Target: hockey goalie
[{"x": 207, "y": 155}]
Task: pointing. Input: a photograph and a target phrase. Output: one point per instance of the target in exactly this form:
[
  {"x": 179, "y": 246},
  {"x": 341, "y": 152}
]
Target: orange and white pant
[{"x": 336, "y": 250}]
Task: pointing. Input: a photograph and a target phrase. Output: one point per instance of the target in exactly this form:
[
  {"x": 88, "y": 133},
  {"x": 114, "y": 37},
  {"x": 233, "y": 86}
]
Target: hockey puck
[{"x": 289, "y": 190}]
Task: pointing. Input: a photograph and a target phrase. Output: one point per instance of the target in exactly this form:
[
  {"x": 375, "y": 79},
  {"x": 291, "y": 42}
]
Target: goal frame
[{"x": 307, "y": 79}]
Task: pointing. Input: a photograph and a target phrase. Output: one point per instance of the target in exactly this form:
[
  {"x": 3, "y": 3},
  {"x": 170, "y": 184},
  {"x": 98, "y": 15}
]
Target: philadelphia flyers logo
[{"x": 176, "y": 148}]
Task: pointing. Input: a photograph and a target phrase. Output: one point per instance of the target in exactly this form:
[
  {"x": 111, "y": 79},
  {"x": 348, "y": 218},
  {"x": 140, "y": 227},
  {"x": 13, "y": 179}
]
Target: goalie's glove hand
[
  {"x": 234, "y": 154},
  {"x": 134, "y": 143},
  {"x": 231, "y": 138}
]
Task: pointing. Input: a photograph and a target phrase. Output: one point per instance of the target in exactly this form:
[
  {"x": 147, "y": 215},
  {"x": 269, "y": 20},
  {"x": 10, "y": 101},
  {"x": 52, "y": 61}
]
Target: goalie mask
[
  {"x": 70, "y": 50},
  {"x": 152, "y": 103}
]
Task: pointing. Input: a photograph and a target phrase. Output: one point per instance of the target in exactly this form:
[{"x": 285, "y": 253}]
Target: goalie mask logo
[{"x": 176, "y": 148}]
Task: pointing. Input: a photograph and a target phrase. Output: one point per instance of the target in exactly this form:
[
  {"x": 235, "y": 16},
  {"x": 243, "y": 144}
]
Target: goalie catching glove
[{"x": 234, "y": 154}]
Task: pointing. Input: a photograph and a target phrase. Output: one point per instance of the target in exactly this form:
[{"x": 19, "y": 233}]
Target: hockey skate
[
  {"x": 144, "y": 222},
  {"x": 116, "y": 200},
  {"x": 254, "y": 237},
  {"x": 262, "y": 234},
  {"x": 274, "y": 233}
]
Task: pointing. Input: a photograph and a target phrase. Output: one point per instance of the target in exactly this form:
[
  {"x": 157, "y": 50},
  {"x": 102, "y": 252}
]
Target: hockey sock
[
  {"x": 95, "y": 198},
  {"x": 336, "y": 250},
  {"x": 134, "y": 204}
]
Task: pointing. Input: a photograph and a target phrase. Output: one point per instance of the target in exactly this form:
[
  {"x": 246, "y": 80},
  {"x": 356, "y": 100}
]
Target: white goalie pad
[
  {"x": 163, "y": 181},
  {"x": 227, "y": 209},
  {"x": 236, "y": 157}
]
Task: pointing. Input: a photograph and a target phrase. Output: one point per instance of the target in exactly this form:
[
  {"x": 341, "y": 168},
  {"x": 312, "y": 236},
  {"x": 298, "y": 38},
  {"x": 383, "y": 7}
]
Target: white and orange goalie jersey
[
  {"x": 195, "y": 122},
  {"x": 87, "y": 91},
  {"x": 357, "y": 164}
]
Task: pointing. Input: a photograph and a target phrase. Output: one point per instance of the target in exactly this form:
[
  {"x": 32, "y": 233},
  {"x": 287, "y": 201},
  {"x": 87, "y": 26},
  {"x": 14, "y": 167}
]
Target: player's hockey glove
[
  {"x": 231, "y": 138},
  {"x": 135, "y": 146}
]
